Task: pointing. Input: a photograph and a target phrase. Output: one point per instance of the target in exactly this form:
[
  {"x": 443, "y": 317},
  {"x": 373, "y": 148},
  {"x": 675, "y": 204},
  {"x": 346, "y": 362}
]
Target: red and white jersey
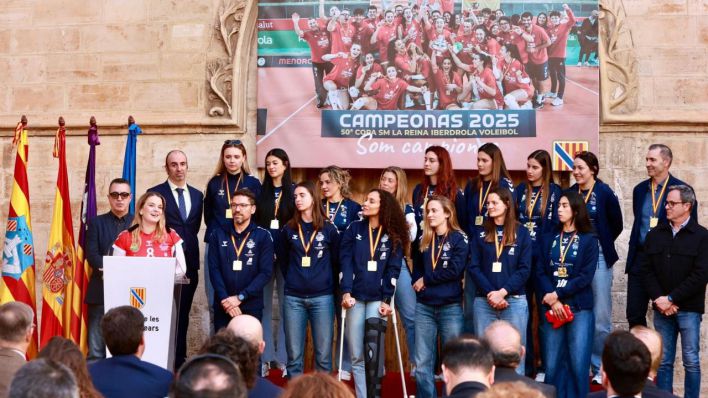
[
  {"x": 490, "y": 46},
  {"x": 487, "y": 77},
  {"x": 540, "y": 37},
  {"x": 387, "y": 33},
  {"x": 343, "y": 37},
  {"x": 446, "y": 97},
  {"x": 375, "y": 67},
  {"x": 415, "y": 31},
  {"x": 510, "y": 79},
  {"x": 364, "y": 30},
  {"x": 558, "y": 35},
  {"x": 439, "y": 41},
  {"x": 389, "y": 92},
  {"x": 343, "y": 71},
  {"x": 148, "y": 247},
  {"x": 319, "y": 43}
]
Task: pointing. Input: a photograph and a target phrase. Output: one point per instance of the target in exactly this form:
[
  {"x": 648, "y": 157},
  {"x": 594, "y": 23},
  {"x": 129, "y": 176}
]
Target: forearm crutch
[
  {"x": 341, "y": 343},
  {"x": 398, "y": 340}
]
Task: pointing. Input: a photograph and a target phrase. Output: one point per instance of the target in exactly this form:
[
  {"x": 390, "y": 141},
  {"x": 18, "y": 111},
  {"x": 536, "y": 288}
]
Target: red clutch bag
[{"x": 555, "y": 321}]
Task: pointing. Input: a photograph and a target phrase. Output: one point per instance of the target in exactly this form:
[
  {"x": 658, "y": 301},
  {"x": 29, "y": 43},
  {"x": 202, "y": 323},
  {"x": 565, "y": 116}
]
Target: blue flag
[{"x": 129, "y": 167}]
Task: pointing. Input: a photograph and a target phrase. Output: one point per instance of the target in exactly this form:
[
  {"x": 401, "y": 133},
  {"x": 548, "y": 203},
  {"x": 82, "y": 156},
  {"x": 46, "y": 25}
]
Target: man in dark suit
[
  {"x": 505, "y": 342},
  {"x": 183, "y": 212},
  {"x": 467, "y": 367},
  {"x": 16, "y": 330},
  {"x": 625, "y": 366},
  {"x": 125, "y": 375}
]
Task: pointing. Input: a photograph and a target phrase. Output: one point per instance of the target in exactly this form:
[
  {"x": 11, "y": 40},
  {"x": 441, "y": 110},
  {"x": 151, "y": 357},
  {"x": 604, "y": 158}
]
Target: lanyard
[
  {"x": 533, "y": 202},
  {"x": 655, "y": 201},
  {"x": 372, "y": 244},
  {"x": 587, "y": 197},
  {"x": 563, "y": 253},
  {"x": 277, "y": 205},
  {"x": 333, "y": 216},
  {"x": 433, "y": 257},
  {"x": 498, "y": 246},
  {"x": 239, "y": 249},
  {"x": 302, "y": 239},
  {"x": 228, "y": 191},
  {"x": 483, "y": 200}
]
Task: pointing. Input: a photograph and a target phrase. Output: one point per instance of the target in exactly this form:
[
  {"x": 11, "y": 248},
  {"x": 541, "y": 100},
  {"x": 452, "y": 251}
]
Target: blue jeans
[
  {"x": 96, "y": 346},
  {"x": 208, "y": 289},
  {"x": 405, "y": 304},
  {"x": 469, "y": 295},
  {"x": 431, "y": 321},
  {"x": 354, "y": 334},
  {"x": 567, "y": 353},
  {"x": 319, "y": 312},
  {"x": 272, "y": 351},
  {"x": 602, "y": 309},
  {"x": 517, "y": 314},
  {"x": 688, "y": 324}
]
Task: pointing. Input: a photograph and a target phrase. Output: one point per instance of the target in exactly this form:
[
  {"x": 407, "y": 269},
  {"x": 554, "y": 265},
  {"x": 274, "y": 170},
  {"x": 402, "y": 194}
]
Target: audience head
[
  {"x": 16, "y": 325},
  {"x": 515, "y": 389},
  {"x": 66, "y": 352},
  {"x": 625, "y": 364},
  {"x": 122, "y": 329},
  {"x": 209, "y": 375},
  {"x": 248, "y": 328},
  {"x": 652, "y": 339},
  {"x": 505, "y": 342},
  {"x": 320, "y": 385},
  {"x": 467, "y": 359},
  {"x": 43, "y": 378},
  {"x": 244, "y": 354}
]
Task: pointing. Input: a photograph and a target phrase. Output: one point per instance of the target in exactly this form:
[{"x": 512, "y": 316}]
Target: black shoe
[
  {"x": 320, "y": 105},
  {"x": 537, "y": 105}
]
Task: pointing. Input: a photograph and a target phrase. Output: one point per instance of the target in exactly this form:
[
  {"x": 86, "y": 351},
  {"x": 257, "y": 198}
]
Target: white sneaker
[
  {"x": 597, "y": 379},
  {"x": 587, "y": 63},
  {"x": 284, "y": 369},
  {"x": 580, "y": 64},
  {"x": 550, "y": 95},
  {"x": 540, "y": 377},
  {"x": 264, "y": 369},
  {"x": 346, "y": 376},
  {"x": 557, "y": 102},
  {"x": 527, "y": 105}
]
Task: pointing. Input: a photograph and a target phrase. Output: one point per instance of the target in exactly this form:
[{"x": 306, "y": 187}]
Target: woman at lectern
[{"x": 149, "y": 236}]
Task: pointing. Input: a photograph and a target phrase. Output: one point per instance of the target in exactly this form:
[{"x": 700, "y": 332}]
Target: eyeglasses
[
  {"x": 237, "y": 205},
  {"x": 670, "y": 204},
  {"x": 233, "y": 142},
  {"x": 122, "y": 195}
]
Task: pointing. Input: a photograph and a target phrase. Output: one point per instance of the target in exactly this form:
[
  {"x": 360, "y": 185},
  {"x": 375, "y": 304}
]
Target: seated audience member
[
  {"x": 319, "y": 384},
  {"x": 44, "y": 378},
  {"x": 208, "y": 375},
  {"x": 250, "y": 330},
  {"x": 625, "y": 365},
  {"x": 467, "y": 367},
  {"x": 16, "y": 328},
  {"x": 67, "y": 353},
  {"x": 125, "y": 374},
  {"x": 245, "y": 355},
  {"x": 516, "y": 389},
  {"x": 505, "y": 343}
]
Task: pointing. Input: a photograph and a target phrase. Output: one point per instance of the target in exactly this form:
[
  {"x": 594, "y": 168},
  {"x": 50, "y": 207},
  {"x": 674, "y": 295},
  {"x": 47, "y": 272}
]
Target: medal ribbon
[
  {"x": 277, "y": 205},
  {"x": 587, "y": 197},
  {"x": 302, "y": 239},
  {"x": 498, "y": 247},
  {"x": 372, "y": 248},
  {"x": 563, "y": 253},
  {"x": 533, "y": 202},
  {"x": 481, "y": 199},
  {"x": 333, "y": 216},
  {"x": 239, "y": 249},
  {"x": 655, "y": 201},
  {"x": 228, "y": 191},
  {"x": 433, "y": 257}
]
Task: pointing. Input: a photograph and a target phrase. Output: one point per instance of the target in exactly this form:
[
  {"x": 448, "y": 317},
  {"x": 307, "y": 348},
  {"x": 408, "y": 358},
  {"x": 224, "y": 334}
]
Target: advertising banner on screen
[{"x": 368, "y": 84}]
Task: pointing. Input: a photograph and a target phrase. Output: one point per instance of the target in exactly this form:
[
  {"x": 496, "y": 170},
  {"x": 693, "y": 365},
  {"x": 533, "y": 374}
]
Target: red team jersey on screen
[
  {"x": 342, "y": 37},
  {"x": 374, "y": 69},
  {"x": 149, "y": 247},
  {"x": 386, "y": 34},
  {"x": 319, "y": 43},
  {"x": 446, "y": 98},
  {"x": 390, "y": 92},
  {"x": 510, "y": 79},
  {"x": 414, "y": 28},
  {"x": 488, "y": 79},
  {"x": 343, "y": 71},
  {"x": 558, "y": 35},
  {"x": 540, "y": 37}
]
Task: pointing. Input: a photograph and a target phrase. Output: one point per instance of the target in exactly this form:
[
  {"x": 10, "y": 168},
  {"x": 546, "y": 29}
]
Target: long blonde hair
[
  {"x": 137, "y": 226},
  {"x": 341, "y": 177},
  {"x": 221, "y": 169},
  {"x": 401, "y": 184},
  {"x": 428, "y": 231}
]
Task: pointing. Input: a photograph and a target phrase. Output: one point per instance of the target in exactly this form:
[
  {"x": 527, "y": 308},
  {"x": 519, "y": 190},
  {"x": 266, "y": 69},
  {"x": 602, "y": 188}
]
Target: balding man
[
  {"x": 505, "y": 342},
  {"x": 16, "y": 328},
  {"x": 249, "y": 328}
]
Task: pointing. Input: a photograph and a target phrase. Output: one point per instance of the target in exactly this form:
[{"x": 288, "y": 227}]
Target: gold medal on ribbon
[
  {"x": 229, "y": 214},
  {"x": 306, "y": 262},
  {"x": 274, "y": 224},
  {"x": 653, "y": 222},
  {"x": 530, "y": 226},
  {"x": 371, "y": 266},
  {"x": 562, "y": 272},
  {"x": 237, "y": 265},
  {"x": 478, "y": 220}
]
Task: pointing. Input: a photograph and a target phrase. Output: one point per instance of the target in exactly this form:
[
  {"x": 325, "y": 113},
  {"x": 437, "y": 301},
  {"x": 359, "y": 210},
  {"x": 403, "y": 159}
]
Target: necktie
[{"x": 181, "y": 204}]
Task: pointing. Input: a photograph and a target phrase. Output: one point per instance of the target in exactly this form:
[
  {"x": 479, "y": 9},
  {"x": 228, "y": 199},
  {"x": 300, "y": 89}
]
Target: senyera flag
[
  {"x": 18, "y": 275},
  {"x": 82, "y": 273},
  {"x": 59, "y": 265}
]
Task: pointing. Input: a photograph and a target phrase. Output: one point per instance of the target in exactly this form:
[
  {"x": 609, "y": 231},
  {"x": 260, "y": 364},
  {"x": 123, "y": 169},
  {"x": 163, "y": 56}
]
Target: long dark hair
[
  {"x": 65, "y": 351},
  {"x": 544, "y": 159},
  {"x": 392, "y": 219},
  {"x": 581, "y": 220},
  {"x": 446, "y": 186},
  {"x": 266, "y": 202},
  {"x": 318, "y": 215},
  {"x": 498, "y": 166},
  {"x": 490, "y": 229}
]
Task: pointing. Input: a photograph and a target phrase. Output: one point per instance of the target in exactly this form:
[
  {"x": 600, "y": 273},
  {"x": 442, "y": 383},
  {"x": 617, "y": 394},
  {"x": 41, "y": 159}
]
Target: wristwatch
[{"x": 241, "y": 297}]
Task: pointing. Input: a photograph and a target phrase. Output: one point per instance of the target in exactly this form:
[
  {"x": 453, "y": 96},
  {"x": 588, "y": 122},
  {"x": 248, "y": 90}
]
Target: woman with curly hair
[
  {"x": 66, "y": 352},
  {"x": 368, "y": 268}
]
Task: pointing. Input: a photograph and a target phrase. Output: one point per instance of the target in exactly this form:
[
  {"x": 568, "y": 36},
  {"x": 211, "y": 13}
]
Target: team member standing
[
  {"x": 384, "y": 34},
  {"x": 183, "y": 214},
  {"x": 648, "y": 204},
  {"x": 368, "y": 267},
  {"x": 275, "y": 206},
  {"x": 438, "y": 270},
  {"x": 558, "y": 35},
  {"x": 307, "y": 254},
  {"x": 675, "y": 276},
  {"x": 318, "y": 40},
  {"x": 500, "y": 267},
  {"x": 102, "y": 232},
  {"x": 536, "y": 41},
  {"x": 342, "y": 31},
  {"x": 564, "y": 276},
  {"x": 393, "y": 180},
  {"x": 606, "y": 217},
  {"x": 240, "y": 262},
  {"x": 518, "y": 90}
]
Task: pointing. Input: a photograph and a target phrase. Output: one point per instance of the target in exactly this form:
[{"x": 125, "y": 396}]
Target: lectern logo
[{"x": 137, "y": 297}]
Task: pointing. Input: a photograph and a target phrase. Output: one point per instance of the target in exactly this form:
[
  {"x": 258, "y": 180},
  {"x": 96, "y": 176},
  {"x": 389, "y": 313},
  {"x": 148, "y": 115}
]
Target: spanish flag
[
  {"x": 17, "y": 282},
  {"x": 59, "y": 265}
]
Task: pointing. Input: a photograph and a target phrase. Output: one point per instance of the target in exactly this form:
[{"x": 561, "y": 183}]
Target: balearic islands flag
[
  {"x": 58, "y": 274},
  {"x": 17, "y": 282}
]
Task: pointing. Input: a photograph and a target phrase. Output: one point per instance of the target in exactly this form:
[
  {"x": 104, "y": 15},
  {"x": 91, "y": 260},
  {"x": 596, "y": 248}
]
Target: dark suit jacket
[
  {"x": 187, "y": 230},
  {"x": 127, "y": 376},
  {"x": 650, "y": 391},
  {"x": 11, "y": 362},
  {"x": 467, "y": 389},
  {"x": 508, "y": 375},
  {"x": 264, "y": 388}
]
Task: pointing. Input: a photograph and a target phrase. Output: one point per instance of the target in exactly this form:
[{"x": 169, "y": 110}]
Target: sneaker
[
  {"x": 346, "y": 376},
  {"x": 557, "y": 102},
  {"x": 540, "y": 377},
  {"x": 527, "y": 105},
  {"x": 550, "y": 95},
  {"x": 538, "y": 105},
  {"x": 283, "y": 369},
  {"x": 587, "y": 63},
  {"x": 580, "y": 64},
  {"x": 597, "y": 379},
  {"x": 264, "y": 369}
]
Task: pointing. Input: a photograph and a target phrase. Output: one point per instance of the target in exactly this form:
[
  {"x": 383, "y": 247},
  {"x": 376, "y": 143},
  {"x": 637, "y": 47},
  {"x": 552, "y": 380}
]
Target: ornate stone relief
[{"x": 618, "y": 64}]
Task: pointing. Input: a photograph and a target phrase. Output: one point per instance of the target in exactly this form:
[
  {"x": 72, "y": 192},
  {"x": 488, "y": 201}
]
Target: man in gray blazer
[{"x": 16, "y": 330}]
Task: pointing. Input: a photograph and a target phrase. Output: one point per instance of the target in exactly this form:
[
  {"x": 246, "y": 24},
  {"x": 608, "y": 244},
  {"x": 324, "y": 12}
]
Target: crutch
[
  {"x": 398, "y": 340},
  {"x": 341, "y": 344}
]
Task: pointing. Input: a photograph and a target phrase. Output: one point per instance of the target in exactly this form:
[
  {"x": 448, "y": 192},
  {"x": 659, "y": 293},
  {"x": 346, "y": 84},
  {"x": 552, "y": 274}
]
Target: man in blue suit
[
  {"x": 183, "y": 212},
  {"x": 125, "y": 375},
  {"x": 648, "y": 204}
]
